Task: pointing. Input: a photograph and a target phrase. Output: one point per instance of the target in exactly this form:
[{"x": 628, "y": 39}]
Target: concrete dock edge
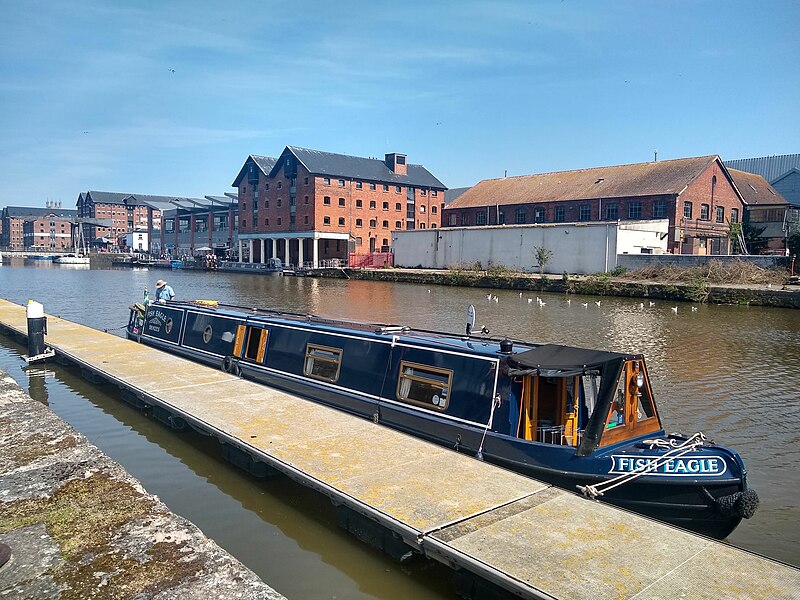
[{"x": 79, "y": 526}]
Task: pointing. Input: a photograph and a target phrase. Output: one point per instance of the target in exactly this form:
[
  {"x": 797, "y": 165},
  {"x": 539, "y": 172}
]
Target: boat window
[
  {"x": 632, "y": 410},
  {"x": 322, "y": 362},
  {"x": 256, "y": 344},
  {"x": 591, "y": 385},
  {"x": 421, "y": 384}
]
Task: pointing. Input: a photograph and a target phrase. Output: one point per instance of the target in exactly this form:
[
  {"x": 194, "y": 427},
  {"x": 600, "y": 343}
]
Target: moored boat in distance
[
  {"x": 579, "y": 419},
  {"x": 71, "y": 259}
]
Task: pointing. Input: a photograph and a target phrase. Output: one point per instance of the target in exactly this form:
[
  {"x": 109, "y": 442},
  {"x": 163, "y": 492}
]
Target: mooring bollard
[{"x": 37, "y": 328}]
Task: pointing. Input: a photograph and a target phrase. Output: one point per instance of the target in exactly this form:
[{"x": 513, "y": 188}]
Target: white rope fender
[{"x": 598, "y": 489}]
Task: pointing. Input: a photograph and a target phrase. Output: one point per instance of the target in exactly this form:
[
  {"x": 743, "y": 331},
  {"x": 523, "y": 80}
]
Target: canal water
[{"x": 732, "y": 372}]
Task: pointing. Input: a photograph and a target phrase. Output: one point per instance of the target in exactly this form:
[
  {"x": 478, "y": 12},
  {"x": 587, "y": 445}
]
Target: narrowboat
[{"x": 584, "y": 420}]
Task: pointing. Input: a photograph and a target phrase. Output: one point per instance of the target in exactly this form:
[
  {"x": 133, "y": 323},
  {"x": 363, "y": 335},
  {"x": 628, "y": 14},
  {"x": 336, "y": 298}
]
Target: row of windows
[
  {"x": 705, "y": 213},
  {"x": 372, "y": 205},
  {"x": 611, "y": 213},
  {"x": 358, "y": 184},
  {"x": 326, "y": 200}
]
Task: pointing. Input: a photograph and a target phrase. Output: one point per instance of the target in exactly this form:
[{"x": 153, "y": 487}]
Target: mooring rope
[
  {"x": 115, "y": 328},
  {"x": 593, "y": 491}
]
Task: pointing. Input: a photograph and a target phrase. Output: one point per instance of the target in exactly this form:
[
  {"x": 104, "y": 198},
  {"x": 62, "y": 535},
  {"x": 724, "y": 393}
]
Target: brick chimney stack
[{"x": 397, "y": 163}]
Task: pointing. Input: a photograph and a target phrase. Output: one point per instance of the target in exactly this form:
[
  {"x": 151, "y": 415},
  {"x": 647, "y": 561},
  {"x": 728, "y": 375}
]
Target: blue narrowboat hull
[{"x": 702, "y": 489}]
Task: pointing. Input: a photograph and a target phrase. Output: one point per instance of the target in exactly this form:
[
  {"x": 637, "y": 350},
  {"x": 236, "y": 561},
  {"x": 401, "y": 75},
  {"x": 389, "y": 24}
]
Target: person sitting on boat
[{"x": 164, "y": 292}]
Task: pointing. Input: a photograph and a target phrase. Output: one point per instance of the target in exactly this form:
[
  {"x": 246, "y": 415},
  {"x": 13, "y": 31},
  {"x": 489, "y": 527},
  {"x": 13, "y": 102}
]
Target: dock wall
[
  {"x": 597, "y": 285},
  {"x": 80, "y": 526}
]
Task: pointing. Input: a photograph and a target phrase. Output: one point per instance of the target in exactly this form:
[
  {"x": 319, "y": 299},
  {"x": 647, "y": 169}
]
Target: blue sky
[{"x": 170, "y": 97}]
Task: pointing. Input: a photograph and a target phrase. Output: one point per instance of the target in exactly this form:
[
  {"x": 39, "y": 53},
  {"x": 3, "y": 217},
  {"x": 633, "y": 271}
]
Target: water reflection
[{"x": 36, "y": 382}]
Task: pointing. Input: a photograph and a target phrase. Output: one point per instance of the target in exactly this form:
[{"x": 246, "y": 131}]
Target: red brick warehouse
[
  {"x": 307, "y": 206},
  {"x": 696, "y": 195}
]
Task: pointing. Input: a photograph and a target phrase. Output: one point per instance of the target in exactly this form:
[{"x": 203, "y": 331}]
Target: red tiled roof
[
  {"x": 642, "y": 179},
  {"x": 755, "y": 189}
]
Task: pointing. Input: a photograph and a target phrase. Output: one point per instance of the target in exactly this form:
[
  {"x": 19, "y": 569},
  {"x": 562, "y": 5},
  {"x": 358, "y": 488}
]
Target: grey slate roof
[
  {"x": 453, "y": 193},
  {"x": 356, "y": 167},
  {"x": 264, "y": 163},
  {"x": 157, "y": 202},
  {"x": 22, "y": 212}
]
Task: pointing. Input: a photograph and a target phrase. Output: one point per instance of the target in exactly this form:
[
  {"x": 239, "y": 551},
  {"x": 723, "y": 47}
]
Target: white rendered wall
[{"x": 576, "y": 247}]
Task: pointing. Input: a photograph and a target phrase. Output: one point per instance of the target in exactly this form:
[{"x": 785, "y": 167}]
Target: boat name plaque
[{"x": 671, "y": 467}]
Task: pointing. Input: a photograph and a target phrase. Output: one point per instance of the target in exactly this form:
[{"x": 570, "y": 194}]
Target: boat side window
[
  {"x": 424, "y": 385},
  {"x": 256, "y": 344},
  {"x": 322, "y": 362}
]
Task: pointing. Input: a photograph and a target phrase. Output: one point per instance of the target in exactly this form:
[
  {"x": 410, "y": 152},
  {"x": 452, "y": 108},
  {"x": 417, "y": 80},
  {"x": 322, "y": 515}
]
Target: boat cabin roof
[
  {"x": 435, "y": 339},
  {"x": 565, "y": 360}
]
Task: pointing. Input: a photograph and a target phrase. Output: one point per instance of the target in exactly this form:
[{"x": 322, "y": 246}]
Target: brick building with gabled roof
[
  {"x": 764, "y": 208},
  {"x": 57, "y": 222},
  {"x": 309, "y": 206},
  {"x": 697, "y": 195},
  {"x": 125, "y": 212}
]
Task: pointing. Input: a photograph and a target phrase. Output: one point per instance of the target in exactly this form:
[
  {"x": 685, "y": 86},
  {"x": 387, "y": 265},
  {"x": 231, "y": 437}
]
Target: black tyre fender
[{"x": 228, "y": 364}]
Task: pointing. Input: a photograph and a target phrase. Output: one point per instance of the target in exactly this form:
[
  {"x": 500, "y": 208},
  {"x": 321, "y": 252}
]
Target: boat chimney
[{"x": 506, "y": 346}]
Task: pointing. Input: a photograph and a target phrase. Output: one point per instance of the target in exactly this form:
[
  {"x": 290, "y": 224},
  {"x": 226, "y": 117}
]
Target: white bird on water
[
  {"x": 694, "y": 309},
  {"x": 569, "y": 301},
  {"x": 585, "y": 305},
  {"x": 598, "y": 303},
  {"x": 675, "y": 309},
  {"x": 530, "y": 300},
  {"x": 488, "y": 296},
  {"x": 495, "y": 299},
  {"x": 652, "y": 304},
  {"x": 520, "y": 294},
  {"x": 641, "y": 305}
]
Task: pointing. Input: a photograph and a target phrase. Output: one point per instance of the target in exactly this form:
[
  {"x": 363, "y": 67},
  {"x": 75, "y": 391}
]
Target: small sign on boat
[{"x": 670, "y": 467}]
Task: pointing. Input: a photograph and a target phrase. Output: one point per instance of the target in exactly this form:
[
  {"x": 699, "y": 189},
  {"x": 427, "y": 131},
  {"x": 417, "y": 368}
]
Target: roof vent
[
  {"x": 601, "y": 180},
  {"x": 506, "y": 346}
]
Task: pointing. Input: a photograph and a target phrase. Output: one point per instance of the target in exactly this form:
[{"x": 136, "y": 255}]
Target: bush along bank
[{"x": 697, "y": 290}]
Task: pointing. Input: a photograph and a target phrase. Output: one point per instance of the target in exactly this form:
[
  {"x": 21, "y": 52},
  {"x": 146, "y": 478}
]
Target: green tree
[
  {"x": 753, "y": 241},
  {"x": 543, "y": 256}
]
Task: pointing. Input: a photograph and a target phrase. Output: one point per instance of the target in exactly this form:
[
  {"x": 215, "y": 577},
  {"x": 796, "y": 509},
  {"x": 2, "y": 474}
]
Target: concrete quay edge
[
  {"x": 80, "y": 526},
  {"x": 787, "y": 296}
]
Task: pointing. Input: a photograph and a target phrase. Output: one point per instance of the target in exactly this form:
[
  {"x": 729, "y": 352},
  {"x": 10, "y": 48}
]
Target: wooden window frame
[
  {"x": 632, "y": 427},
  {"x": 401, "y": 376},
  {"x": 262, "y": 343},
  {"x": 309, "y": 354}
]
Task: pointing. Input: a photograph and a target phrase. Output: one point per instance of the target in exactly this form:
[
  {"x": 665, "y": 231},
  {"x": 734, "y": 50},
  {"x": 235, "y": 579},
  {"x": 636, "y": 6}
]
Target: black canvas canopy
[{"x": 552, "y": 359}]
